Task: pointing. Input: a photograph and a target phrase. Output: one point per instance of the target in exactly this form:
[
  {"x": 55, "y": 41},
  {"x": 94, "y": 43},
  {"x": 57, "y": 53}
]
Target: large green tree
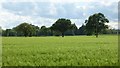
[
  {"x": 25, "y": 28},
  {"x": 61, "y": 25},
  {"x": 96, "y": 23}
]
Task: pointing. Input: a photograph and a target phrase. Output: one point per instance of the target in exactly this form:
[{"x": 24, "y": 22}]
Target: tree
[
  {"x": 8, "y": 32},
  {"x": 96, "y": 23},
  {"x": 25, "y": 28},
  {"x": 73, "y": 28},
  {"x": 82, "y": 30},
  {"x": 61, "y": 25},
  {"x": 43, "y": 30},
  {"x": 35, "y": 30}
]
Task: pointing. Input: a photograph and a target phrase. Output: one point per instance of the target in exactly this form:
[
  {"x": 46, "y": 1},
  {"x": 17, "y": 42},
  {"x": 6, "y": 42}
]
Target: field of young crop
[{"x": 58, "y": 51}]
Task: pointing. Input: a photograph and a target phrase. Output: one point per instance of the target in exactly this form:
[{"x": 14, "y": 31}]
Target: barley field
[{"x": 58, "y": 51}]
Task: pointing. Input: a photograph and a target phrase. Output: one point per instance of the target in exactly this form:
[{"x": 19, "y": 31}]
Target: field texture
[{"x": 58, "y": 51}]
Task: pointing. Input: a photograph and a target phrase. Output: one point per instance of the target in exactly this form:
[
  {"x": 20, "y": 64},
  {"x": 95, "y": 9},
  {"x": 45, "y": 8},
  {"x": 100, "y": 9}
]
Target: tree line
[{"x": 95, "y": 25}]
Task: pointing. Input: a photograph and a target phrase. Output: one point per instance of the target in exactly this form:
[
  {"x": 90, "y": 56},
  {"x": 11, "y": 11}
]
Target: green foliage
[
  {"x": 73, "y": 27},
  {"x": 25, "y": 28},
  {"x": 61, "y": 25},
  {"x": 96, "y": 23},
  {"x": 57, "y": 51},
  {"x": 35, "y": 30},
  {"x": 44, "y": 31},
  {"x": 81, "y": 30}
]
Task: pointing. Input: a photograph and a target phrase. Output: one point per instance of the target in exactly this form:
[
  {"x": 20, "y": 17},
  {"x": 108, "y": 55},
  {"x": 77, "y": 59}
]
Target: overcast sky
[{"x": 46, "y": 12}]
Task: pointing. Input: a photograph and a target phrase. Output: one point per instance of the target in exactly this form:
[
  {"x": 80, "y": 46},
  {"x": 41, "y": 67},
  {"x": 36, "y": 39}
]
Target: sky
[{"x": 46, "y": 12}]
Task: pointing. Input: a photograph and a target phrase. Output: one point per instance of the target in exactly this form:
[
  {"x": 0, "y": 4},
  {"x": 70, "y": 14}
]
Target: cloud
[
  {"x": 113, "y": 25},
  {"x": 53, "y": 10},
  {"x": 60, "y": 1},
  {"x": 10, "y": 20},
  {"x": 46, "y": 12}
]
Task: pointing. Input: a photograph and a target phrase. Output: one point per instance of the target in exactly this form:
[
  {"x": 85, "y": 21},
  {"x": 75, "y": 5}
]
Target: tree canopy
[
  {"x": 25, "y": 28},
  {"x": 61, "y": 25},
  {"x": 96, "y": 23}
]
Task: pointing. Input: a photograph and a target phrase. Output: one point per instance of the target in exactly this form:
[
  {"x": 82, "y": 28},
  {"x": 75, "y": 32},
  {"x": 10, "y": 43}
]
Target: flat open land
[{"x": 58, "y": 51}]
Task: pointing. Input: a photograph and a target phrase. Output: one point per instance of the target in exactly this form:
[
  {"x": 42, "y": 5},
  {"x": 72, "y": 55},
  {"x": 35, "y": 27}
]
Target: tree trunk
[
  {"x": 30, "y": 35},
  {"x": 96, "y": 32},
  {"x": 96, "y": 35},
  {"x": 63, "y": 34},
  {"x": 25, "y": 35}
]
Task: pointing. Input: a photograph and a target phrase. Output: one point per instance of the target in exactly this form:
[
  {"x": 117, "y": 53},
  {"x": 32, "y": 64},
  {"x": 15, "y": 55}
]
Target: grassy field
[{"x": 58, "y": 51}]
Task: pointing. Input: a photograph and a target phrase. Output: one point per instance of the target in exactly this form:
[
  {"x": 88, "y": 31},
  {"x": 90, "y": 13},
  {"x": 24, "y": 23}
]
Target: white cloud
[
  {"x": 9, "y": 20},
  {"x": 52, "y": 1},
  {"x": 113, "y": 25},
  {"x": 53, "y": 10},
  {"x": 78, "y": 22},
  {"x": 60, "y": 1}
]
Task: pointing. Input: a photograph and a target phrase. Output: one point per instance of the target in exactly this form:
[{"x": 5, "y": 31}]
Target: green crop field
[{"x": 58, "y": 51}]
